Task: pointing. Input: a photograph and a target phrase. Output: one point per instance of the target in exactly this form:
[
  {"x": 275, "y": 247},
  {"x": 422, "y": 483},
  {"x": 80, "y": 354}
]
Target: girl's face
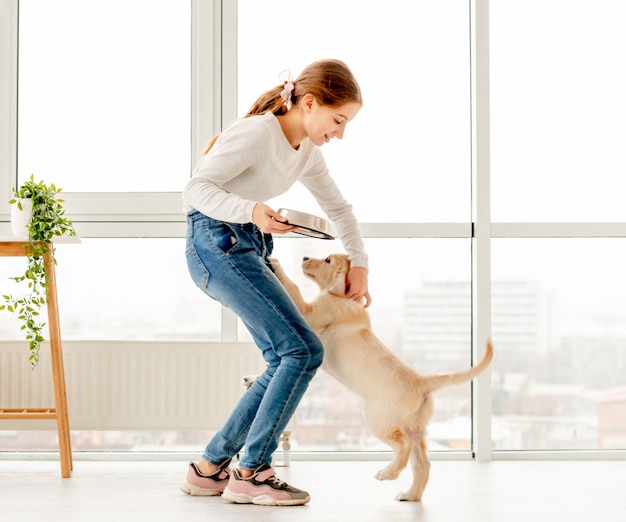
[{"x": 325, "y": 122}]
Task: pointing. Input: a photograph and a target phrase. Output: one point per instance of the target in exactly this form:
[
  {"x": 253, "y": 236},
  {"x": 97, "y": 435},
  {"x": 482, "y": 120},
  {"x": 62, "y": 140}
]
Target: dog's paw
[
  {"x": 249, "y": 380},
  {"x": 276, "y": 266},
  {"x": 405, "y": 496},
  {"x": 386, "y": 474},
  {"x": 383, "y": 475}
]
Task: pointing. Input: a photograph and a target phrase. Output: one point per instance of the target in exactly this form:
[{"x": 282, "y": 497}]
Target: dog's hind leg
[
  {"x": 421, "y": 470},
  {"x": 401, "y": 447}
]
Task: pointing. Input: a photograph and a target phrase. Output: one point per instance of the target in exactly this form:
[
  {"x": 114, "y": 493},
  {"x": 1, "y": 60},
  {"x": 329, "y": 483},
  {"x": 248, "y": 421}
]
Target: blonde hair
[{"x": 330, "y": 81}]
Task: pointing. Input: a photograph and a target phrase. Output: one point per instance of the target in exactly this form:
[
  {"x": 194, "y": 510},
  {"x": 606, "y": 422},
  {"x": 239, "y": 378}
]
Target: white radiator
[{"x": 131, "y": 385}]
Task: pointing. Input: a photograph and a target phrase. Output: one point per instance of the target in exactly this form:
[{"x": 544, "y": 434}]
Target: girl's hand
[
  {"x": 269, "y": 221},
  {"x": 357, "y": 285}
]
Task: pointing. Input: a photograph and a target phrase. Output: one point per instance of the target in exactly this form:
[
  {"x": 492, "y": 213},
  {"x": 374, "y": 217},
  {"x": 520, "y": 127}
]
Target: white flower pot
[{"x": 21, "y": 218}]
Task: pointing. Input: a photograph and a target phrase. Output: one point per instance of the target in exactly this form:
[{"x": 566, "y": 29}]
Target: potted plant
[{"x": 47, "y": 221}]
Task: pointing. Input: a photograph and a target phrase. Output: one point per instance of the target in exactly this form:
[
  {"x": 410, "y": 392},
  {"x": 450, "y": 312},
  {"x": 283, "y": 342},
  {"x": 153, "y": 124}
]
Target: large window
[
  {"x": 422, "y": 311},
  {"x": 559, "y": 320},
  {"x": 104, "y": 94},
  {"x": 557, "y": 130},
  {"x": 123, "y": 289},
  {"x": 112, "y": 100},
  {"x": 558, "y": 110},
  {"x": 406, "y": 156}
]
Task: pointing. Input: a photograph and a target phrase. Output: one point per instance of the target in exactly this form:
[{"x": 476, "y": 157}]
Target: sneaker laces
[{"x": 281, "y": 484}]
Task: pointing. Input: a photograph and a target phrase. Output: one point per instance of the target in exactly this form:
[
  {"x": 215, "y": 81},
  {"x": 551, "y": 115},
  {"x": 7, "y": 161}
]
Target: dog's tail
[{"x": 434, "y": 382}]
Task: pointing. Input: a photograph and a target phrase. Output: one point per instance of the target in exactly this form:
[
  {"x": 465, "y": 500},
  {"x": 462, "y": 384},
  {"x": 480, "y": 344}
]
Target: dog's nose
[{"x": 305, "y": 258}]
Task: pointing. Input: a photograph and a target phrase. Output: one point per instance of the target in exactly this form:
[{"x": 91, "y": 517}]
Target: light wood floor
[{"x": 499, "y": 491}]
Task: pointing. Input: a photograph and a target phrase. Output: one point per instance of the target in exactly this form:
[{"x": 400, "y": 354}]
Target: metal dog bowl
[{"x": 307, "y": 224}]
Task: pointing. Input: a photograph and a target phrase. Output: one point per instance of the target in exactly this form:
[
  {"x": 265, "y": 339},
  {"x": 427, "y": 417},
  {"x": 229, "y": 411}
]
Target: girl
[{"x": 229, "y": 238}]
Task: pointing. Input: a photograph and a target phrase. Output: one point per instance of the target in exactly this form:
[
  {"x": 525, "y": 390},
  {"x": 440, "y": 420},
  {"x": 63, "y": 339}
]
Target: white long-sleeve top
[{"x": 252, "y": 161}]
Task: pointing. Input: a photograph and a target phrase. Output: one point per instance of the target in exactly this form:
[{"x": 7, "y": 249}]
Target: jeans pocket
[
  {"x": 224, "y": 236},
  {"x": 199, "y": 272}
]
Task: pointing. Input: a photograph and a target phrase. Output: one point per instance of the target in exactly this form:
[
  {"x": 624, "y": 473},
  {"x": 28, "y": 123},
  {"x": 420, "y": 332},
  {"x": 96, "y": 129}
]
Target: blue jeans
[{"x": 228, "y": 262}]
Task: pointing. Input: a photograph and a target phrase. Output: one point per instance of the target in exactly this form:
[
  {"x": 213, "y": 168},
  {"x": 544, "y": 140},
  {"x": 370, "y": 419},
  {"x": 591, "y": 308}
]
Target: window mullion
[{"x": 481, "y": 242}]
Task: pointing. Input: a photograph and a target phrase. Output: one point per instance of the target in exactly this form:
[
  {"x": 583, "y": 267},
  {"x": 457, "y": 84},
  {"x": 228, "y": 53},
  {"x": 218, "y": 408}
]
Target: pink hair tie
[{"x": 287, "y": 91}]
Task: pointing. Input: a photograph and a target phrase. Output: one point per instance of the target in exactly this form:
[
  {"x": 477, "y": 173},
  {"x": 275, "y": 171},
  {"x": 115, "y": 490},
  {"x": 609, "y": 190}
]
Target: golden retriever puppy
[{"x": 397, "y": 400}]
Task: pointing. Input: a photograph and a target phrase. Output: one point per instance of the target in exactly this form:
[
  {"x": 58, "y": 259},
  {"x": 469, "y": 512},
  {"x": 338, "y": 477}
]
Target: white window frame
[
  {"x": 136, "y": 214},
  {"x": 214, "y": 100}
]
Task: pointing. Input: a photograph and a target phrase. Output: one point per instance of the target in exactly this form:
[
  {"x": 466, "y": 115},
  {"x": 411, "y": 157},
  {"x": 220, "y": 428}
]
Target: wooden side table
[{"x": 19, "y": 247}]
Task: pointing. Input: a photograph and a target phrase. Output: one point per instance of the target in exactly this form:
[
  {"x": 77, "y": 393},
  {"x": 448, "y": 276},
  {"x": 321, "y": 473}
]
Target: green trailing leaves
[{"x": 47, "y": 222}]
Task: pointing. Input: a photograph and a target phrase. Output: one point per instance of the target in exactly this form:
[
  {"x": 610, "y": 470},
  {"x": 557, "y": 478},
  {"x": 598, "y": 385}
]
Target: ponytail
[
  {"x": 269, "y": 101},
  {"x": 210, "y": 144}
]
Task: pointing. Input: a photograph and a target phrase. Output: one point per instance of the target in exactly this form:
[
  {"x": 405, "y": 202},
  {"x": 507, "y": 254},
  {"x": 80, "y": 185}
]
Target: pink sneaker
[
  {"x": 263, "y": 488},
  {"x": 200, "y": 485}
]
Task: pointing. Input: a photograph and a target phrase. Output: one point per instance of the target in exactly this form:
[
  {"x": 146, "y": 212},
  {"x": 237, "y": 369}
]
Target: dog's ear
[{"x": 338, "y": 286}]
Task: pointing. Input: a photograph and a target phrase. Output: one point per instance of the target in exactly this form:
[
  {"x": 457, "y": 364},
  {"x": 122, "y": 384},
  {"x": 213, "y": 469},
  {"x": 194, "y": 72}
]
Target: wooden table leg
[{"x": 58, "y": 372}]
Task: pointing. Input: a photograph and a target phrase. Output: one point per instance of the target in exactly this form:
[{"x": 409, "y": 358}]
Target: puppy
[
  {"x": 249, "y": 380},
  {"x": 397, "y": 400}
]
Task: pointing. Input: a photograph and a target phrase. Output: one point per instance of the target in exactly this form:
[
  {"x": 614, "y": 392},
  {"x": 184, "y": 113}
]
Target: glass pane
[
  {"x": 420, "y": 310},
  {"x": 558, "y": 110},
  {"x": 559, "y": 329},
  {"x": 123, "y": 289},
  {"x": 104, "y": 94},
  {"x": 406, "y": 156}
]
